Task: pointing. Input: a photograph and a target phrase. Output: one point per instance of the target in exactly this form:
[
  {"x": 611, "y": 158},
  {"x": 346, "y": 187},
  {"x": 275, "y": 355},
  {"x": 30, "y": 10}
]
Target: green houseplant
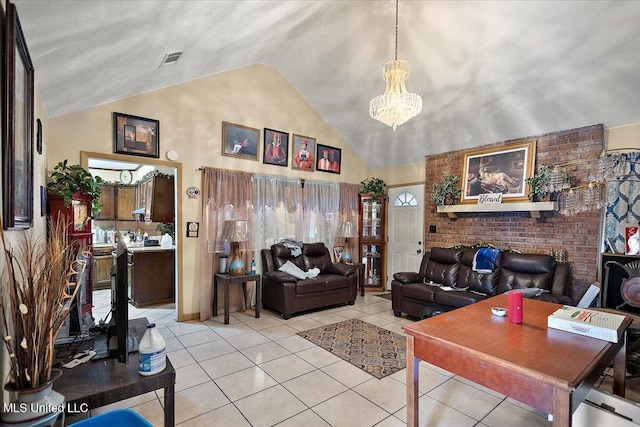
[
  {"x": 448, "y": 192},
  {"x": 538, "y": 183},
  {"x": 374, "y": 186},
  {"x": 66, "y": 180}
]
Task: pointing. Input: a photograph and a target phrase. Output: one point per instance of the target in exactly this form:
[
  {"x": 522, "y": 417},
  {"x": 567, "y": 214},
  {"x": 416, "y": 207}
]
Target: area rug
[
  {"x": 376, "y": 351},
  {"x": 386, "y": 295}
]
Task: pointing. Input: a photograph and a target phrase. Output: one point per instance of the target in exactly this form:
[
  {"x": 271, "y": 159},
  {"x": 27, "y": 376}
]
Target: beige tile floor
[{"x": 258, "y": 372}]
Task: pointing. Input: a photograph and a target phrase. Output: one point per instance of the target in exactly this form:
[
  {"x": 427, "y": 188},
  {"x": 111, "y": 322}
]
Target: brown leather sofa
[
  {"x": 336, "y": 284},
  {"x": 421, "y": 294}
]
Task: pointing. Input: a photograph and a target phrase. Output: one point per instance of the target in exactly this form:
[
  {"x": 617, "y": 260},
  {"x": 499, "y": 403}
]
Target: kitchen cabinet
[
  {"x": 151, "y": 276},
  {"x": 118, "y": 202},
  {"x": 157, "y": 197},
  {"x": 371, "y": 229},
  {"x": 102, "y": 263}
]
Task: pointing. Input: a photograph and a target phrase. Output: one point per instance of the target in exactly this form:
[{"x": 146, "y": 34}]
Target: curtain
[
  {"x": 321, "y": 212},
  {"x": 623, "y": 198},
  {"x": 349, "y": 211},
  {"x": 225, "y": 195}
]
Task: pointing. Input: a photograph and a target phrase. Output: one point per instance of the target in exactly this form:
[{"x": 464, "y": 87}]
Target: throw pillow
[{"x": 294, "y": 270}]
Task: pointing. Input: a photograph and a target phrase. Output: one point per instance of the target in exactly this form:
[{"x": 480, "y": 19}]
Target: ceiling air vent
[{"x": 170, "y": 59}]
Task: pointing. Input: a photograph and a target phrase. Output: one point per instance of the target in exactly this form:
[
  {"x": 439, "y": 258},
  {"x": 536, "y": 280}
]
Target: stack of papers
[{"x": 591, "y": 323}]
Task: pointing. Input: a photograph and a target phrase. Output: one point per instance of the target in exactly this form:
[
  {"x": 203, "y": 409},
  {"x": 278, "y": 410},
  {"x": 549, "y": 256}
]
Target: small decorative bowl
[{"x": 499, "y": 311}]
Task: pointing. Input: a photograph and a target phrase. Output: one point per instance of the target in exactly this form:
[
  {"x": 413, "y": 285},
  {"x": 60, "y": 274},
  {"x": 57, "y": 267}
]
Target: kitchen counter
[{"x": 135, "y": 248}]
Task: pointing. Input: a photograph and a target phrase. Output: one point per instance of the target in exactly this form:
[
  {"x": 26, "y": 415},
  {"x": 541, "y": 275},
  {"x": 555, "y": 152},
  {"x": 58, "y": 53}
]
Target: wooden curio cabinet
[
  {"x": 373, "y": 239},
  {"x": 78, "y": 218}
]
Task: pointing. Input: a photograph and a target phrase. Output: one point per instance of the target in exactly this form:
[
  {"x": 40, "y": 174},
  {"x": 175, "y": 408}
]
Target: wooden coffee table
[{"x": 548, "y": 369}]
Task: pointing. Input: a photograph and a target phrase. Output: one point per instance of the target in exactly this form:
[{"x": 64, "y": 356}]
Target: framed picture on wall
[
  {"x": 17, "y": 123},
  {"x": 304, "y": 149},
  {"x": 329, "y": 159},
  {"x": 137, "y": 136},
  {"x": 240, "y": 141},
  {"x": 498, "y": 170},
  {"x": 276, "y": 147}
]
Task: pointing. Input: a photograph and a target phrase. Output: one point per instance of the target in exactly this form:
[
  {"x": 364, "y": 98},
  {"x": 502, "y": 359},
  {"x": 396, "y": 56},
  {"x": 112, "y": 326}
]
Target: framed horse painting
[{"x": 498, "y": 170}]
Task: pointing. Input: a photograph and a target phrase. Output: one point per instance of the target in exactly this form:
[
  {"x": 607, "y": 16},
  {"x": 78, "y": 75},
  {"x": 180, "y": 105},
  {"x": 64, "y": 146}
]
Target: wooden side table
[
  {"x": 360, "y": 273},
  {"x": 226, "y": 280}
]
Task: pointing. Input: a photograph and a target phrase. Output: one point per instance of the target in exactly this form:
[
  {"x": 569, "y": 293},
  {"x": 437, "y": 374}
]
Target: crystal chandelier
[{"x": 396, "y": 105}]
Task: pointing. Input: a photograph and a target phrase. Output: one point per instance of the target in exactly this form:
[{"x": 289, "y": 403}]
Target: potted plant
[
  {"x": 373, "y": 186},
  {"x": 538, "y": 183},
  {"x": 67, "y": 180},
  {"x": 38, "y": 285},
  {"x": 448, "y": 192}
]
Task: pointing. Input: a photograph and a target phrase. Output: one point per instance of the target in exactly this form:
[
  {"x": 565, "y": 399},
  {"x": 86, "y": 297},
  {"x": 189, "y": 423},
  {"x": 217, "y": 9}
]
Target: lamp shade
[
  {"x": 235, "y": 230},
  {"x": 347, "y": 229}
]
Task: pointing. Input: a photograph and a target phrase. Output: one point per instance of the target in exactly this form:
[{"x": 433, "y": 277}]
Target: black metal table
[{"x": 226, "y": 280}]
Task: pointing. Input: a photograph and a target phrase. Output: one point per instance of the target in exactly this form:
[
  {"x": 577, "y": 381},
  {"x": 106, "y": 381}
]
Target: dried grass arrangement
[{"x": 37, "y": 292}]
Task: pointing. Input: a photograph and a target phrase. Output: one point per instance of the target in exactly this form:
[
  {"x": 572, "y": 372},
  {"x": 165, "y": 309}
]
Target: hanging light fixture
[{"x": 396, "y": 105}]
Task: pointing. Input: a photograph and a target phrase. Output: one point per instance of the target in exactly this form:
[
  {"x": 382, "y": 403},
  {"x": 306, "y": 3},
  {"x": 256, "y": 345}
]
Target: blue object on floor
[{"x": 118, "y": 417}]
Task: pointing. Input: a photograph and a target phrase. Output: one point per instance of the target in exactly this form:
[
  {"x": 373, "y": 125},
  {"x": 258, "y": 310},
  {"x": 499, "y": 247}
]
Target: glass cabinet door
[{"x": 371, "y": 219}]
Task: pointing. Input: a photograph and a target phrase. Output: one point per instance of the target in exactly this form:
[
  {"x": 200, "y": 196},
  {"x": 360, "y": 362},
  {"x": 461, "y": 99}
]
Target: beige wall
[
  {"x": 191, "y": 116},
  {"x": 623, "y": 137}
]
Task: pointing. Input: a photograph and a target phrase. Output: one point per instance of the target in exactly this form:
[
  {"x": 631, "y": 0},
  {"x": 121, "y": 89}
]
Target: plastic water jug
[{"x": 152, "y": 352}]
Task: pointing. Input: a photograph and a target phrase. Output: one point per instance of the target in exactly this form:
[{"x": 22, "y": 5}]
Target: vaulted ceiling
[{"x": 487, "y": 70}]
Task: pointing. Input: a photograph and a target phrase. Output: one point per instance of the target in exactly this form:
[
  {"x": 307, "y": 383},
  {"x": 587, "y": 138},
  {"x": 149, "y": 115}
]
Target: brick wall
[{"x": 577, "y": 234}]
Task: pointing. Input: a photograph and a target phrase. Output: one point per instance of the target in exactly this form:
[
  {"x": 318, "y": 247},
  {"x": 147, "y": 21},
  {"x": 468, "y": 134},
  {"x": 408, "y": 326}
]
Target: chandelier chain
[{"x": 396, "y": 57}]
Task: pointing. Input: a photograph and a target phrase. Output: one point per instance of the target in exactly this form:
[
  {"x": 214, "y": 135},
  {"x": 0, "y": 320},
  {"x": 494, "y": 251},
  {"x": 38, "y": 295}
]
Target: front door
[{"x": 406, "y": 229}]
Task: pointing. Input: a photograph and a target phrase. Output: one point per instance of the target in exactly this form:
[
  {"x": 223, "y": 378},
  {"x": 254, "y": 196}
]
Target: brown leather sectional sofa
[
  {"x": 419, "y": 294},
  {"x": 336, "y": 284}
]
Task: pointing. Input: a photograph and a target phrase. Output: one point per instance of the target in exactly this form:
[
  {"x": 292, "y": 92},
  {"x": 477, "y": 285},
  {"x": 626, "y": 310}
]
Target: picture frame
[
  {"x": 39, "y": 136},
  {"x": 240, "y": 141},
  {"x": 337, "y": 252},
  {"x": 136, "y": 136},
  {"x": 329, "y": 159},
  {"x": 17, "y": 126},
  {"x": 303, "y": 158},
  {"x": 498, "y": 170},
  {"x": 276, "y": 148},
  {"x": 192, "y": 229}
]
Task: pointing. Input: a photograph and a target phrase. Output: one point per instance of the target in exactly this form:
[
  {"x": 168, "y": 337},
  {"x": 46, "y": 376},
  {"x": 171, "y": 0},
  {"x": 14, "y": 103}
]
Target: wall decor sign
[
  {"x": 276, "y": 147},
  {"x": 498, "y": 170},
  {"x": 329, "y": 159},
  {"x": 304, "y": 152},
  {"x": 240, "y": 141},
  {"x": 193, "y": 192},
  {"x": 17, "y": 126},
  {"x": 192, "y": 229},
  {"x": 137, "y": 136}
]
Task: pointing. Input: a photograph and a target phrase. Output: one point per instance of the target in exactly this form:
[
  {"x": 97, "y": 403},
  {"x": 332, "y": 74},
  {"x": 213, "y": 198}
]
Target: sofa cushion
[
  {"x": 486, "y": 283},
  {"x": 457, "y": 298},
  {"x": 316, "y": 255},
  {"x": 525, "y": 271},
  {"x": 443, "y": 266},
  {"x": 281, "y": 254}
]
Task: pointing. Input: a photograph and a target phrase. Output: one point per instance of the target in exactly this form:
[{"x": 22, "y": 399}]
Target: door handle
[{"x": 419, "y": 251}]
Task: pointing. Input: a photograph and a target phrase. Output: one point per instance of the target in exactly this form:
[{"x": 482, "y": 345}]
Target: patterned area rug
[{"x": 376, "y": 351}]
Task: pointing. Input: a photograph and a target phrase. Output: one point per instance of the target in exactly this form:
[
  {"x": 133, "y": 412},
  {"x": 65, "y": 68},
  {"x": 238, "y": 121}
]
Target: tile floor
[{"x": 258, "y": 372}]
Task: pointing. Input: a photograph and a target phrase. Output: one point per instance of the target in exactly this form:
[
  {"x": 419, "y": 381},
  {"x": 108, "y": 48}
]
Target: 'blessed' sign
[{"x": 489, "y": 198}]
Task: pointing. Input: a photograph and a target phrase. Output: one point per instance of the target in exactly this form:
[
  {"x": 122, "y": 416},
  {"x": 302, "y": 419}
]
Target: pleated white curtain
[
  {"x": 321, "y": 212},
  {"x": 277, "y": 211}
]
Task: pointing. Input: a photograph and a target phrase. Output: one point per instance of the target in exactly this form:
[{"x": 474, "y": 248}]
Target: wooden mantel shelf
[{"x": 534, "y": 208}]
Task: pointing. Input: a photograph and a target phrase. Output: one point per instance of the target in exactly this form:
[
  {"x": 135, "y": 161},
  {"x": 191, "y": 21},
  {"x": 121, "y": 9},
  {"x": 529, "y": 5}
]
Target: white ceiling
[{"x": 487, "y": 71}]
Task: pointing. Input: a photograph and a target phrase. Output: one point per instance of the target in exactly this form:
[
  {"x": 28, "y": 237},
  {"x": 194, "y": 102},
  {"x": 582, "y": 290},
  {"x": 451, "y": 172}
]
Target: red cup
[{"x": 515, "y": 307}]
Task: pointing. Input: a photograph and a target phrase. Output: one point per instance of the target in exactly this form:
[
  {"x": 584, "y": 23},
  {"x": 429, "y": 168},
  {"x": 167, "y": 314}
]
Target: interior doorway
[{"x": 124, "y": 162}]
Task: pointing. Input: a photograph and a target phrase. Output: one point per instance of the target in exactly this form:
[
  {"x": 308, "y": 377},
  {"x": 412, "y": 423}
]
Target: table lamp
[
  {"x": 235, "y": 231},
  {"x": 347, "y": 229}
]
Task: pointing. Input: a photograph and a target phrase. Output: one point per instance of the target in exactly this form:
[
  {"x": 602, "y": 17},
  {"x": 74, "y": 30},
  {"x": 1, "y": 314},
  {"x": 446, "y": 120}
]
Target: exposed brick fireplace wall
[{"x": 577, "y": 234}]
